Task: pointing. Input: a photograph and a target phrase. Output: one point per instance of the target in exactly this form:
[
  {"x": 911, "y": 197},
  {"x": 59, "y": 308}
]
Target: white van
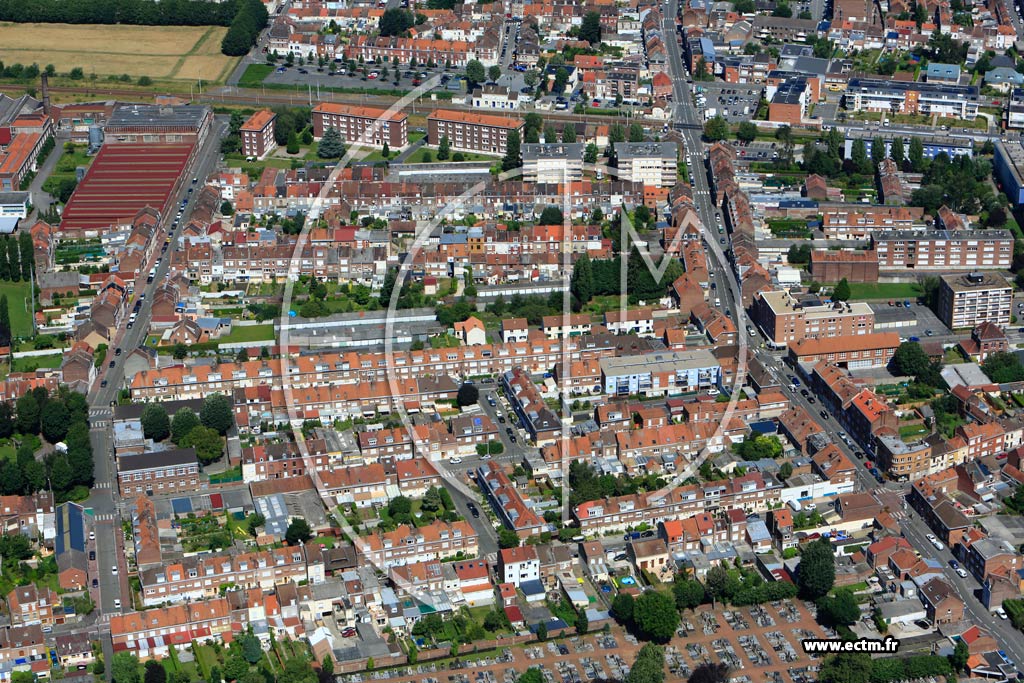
[{"x": 718, "y": 302}]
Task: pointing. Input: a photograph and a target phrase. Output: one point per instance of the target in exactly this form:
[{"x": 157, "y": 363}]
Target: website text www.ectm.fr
[{"x": 831, "y": 646}]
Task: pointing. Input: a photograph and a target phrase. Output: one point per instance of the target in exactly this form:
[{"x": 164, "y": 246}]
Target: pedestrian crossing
[
  {"x": 99, "y": 412},
  {"x": 106, "y": 517},
  {"x": 99, "y": 424},
  {"x": 102, "y": 485}
]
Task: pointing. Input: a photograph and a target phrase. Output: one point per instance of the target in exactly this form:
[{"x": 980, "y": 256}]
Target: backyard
[
  {"x": 19, "y": 306},
  {"x": 885, "y": 290}
]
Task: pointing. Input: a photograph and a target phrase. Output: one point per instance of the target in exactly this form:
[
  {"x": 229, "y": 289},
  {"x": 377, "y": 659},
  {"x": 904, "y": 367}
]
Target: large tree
[
  {"x": 54, "y": 421},
  {"x": 475, "y": 72},
  {"x": 216, "y": 413},
  {"x": 590, "y": 29},
  {"x": 909, "y": 360},
  {"x": 582, "y": 284},
  {"x": 710, "y": 673},
  {"x": 208, "y": 443},
  {"x": 468, "y": 395},
  {"x": 842, "y": 291},
  {"x": 513, "y": 157},
  {"x": 183, "y": 423},
  {"x": 125, "y": 668},
  {"x": 688, "y": 593},
  {"x": 649, "y": 666},
  {"x": 655, "y": 616},
  {"x": 298, "y": 532},
  {"x": 155, "y": 423},
  {"x": 5, "y": 322},
  {"x": 816, "y": 573},
  {"x": 716, "y": 129},
  {"x": 395, "y": 22}
]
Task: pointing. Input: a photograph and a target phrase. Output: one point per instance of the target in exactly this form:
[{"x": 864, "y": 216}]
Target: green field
[
  {"x": 19, "y": 307},
  {"x": 248, "y": 333},
  {"x": 33, "y": 363},
  {"x": 254, "y": 75},
  {"x": 885, "y": 290}
]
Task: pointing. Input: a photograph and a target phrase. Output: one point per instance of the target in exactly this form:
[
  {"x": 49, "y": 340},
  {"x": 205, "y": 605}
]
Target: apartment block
[
  {"x": 943, "y": 250},
  {"x": 470, "y": 132},
  {"x": 168, "y": 471},
  {"x": 258, "y": 134},
  {"x": 860, "y": 351},
  {"x": 661, "y": 373},
  {"x": 563, "y": 326},
  {"x": 1008, "y": 168},
  {"x": 359, "y": 125},
  {"x": 406, "y": 545},
  {"x": 651, "y": 163},
  {"x": 906, "y": 97},
  {"x": 557, "y": 162},
  {"x": 965, "y": 301},
  {"x": 785, "y": 319},
  {"x": 853, "y": 265}
]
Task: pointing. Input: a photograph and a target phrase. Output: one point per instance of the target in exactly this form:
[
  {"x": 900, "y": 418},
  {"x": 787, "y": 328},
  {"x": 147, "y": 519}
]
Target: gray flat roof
[
  {"x": 971, "y": 281},
  {"x": 14, "y": 197},
  {"x": 955, "y": 235},
  {"x": 554, "y": 150},
  {"x": 629, "y": 150},
  {"x": 155, "y": 115},
  {"x": 662, "y": 361},
  {"x": 146, "y": 461}
]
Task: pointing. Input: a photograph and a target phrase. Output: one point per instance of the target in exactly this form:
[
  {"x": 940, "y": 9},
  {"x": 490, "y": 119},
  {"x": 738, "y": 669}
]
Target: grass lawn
[
  {"x": 8, "y": 451},
  {"x": 18, "y": 305},
  {"x": 159, "y": 52},
  {"x": 254, "y": 75},
  {"x": 249, "y": 333},
  {"x": 885, "y": 290},
  {"x": 33, "y": 363},
  {"x": 419, "y": 157},
  {"x": 912, "y": 432}
]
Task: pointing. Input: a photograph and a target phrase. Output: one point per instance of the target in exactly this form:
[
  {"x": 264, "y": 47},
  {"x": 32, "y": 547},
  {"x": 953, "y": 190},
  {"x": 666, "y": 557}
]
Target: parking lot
[
  {"x": 760, "y": 643},
  {"x": 735, "y": 102},
  {"x": 916, "y": 321},
  {"x": 376, "y": 77}
]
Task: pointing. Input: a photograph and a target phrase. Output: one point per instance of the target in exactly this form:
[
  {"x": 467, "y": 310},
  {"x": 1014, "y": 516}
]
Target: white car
[
  {"x": 961, "y": 572},
  {"x": 113, "y": 569},
  {"x": 931, "y": 538},
  {"x": 1000, "y": 612},
  {"x": 455, "y": 461},
  {"x": 117, "y": 603},
  {"x": 938, "y": 545}
]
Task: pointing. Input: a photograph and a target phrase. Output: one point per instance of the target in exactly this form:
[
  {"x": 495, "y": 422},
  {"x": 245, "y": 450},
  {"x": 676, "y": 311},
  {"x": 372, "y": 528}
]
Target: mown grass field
[{"x": 160, "y": 52}]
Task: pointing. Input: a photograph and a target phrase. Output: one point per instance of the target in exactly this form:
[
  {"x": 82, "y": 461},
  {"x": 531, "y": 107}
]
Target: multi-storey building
[
  {"x": 556, "y": 162},
  {"x": 359, "y": 125},
  {"x": 158, "y": 124},
  {"x": 471, "y": 132},
  {"x": 519, "y": 565},
  {"x": 861, "y": 351},
  {"x": 931, "y": 144},
  {"x": 507, "y": 501},
  {"x": 168, "y": 471},
  {"x": 907, "y": 97},
  {"x": 974, "y": 298},
  {"x": 661, "y": 373},
  {"x": 564, "y": 326},
  {"x": 784, "y": 319},
  {"x": 651, "y": 163},
  {"x": 151, "y": 633},
  {"x": 258, "y": 134},
  {"x": 539, "y": 421},
  {"x": 945, "y": 250},
  {"x": 1008, "y": 168}
]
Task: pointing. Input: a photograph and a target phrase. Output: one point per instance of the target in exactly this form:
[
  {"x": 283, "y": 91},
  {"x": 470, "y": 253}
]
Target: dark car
[
  {"x": 473, "y": 509},
  {"x": 117, "y": 351},
  {"x": 103, "y": 384},
  {"x": 92, "y": 555},
  {"x": 647, "y": 534},
  {"x": 513, "y": 439},
  {"x": 112, "y": 363},
  {"x": 508, "y": 430},
  {"x": 805, "y": 393},
  {"x": 563, "y": 650},
  {"x": 824, "y": 415}
]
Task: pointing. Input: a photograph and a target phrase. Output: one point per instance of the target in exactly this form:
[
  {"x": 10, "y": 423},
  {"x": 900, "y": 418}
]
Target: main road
[{"x": 104, "y": 500}]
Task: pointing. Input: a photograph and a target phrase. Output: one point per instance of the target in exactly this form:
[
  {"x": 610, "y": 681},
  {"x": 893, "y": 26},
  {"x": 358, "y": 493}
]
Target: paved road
[
  {"x": 104, "y": 500},
  {"x": 39, "y": 198}
]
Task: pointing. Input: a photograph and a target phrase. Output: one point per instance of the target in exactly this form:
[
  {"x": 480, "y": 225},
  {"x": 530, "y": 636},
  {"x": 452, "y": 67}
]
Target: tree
[
  {"x": 759, "y": 447},
  {"x": 715, "y": 582},
  {"x": 590, "y": 154},
  {"x": 582, "y": 284},
  {"x": 217, "y": 414},
  {"x": 512, "y": 158},
  {"x": 561, "y": 78},
  {"x": 896, "y": 152},
  {"x": 443, "y": 148},
  {"x": 569, "y": 135},
  {"x": 179, "y": 351},
  {"x": 208, "y": 443},
  {"x": 395, "y": 22},
  {"x": 531, "y": 675},
  {"x": 590, "y": 29},
  {"x": 746, "y": 132},
  {"x": 1002, "y": 367},
  {"x": 155, "y": 672},
  {"x": 688, "y": 593},
  {"x": 846, "y": 668},
  {"x": 841, "y": 291},
  {"x": 551, "y": 215},
  {"x": 799, "y": 254},
  {"x": 655, "y": 617},
  {"x": 841, "y": 610},
  {"x": 385, "y": 151},
  {"x": 251, "y": 649},
  {"x": 958, "y": 660},
  {"x": 507, "y": 538},
  {"x": 468, "y": 395},
  {"x": 710, "y": 673},
  {"x": 636, "y": 132},
  {"x": 785, "y": 471},
  {"x": 877, "y": 151},
  {"x": 54, "y": 421},
  {"x": 292, "y": 146},
  {"x": 28, "y": 411},
  {"x": 5, "y": 322},
  {"x": 298, "y": 532},
  {"x": 909, "y": 360},
  {"x": 782, "y": 10},
  {"x": 816, "y": 573},
  {"x": 859, "y": 156},
  {"x": 475, "y": 72},
  {"x": 582, "y": 622},
  {"x": 155, "y": 423},
  {"x": 542, "y": 631},
  {"x": 649, "y": 666},
  {"x": 27, "y": 251},
  {"x": 623, "y": 608},
  {"x": 915, "y": 155},
  {"x": 331, "y": 145},
  {"x": 493, "y": 72},
  {"x": 550, "y": 133},
  {"x": 125, "y": 668},
  {"x": 716, "y": 129}
]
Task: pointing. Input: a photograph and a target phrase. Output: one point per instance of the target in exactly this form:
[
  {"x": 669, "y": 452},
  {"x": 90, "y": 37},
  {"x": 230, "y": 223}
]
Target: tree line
[
  {"x": 133, "y": 12},
  {"x": 250, "y": 18},
  {"x": 17, "y": 258}
]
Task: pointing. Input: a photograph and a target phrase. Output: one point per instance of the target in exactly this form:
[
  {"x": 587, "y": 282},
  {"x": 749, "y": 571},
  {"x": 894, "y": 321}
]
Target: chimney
[{"x": 45, "y": 87}]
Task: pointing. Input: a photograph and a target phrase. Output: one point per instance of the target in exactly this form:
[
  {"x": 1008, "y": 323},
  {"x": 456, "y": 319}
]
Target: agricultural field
[{"x": 159, "y": 52}]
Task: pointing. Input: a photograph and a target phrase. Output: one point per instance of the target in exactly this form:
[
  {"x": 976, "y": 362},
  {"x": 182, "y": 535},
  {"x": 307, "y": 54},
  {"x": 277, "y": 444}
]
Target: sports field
[{"x": 160, "y": 52}]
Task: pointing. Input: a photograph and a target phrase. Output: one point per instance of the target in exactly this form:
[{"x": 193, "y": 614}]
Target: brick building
[
  {"x": 833, "y": 266},
  {"x": 943, "y": 250},
  {"x": 158, "y": 472},
  {"x": 971, "y": 299},
  {"x": 784, "y": 319},
  {"x": 362, "y": 125},
  {"x": 258, "y": 134},
  {"x": 469, "y": 132}
]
